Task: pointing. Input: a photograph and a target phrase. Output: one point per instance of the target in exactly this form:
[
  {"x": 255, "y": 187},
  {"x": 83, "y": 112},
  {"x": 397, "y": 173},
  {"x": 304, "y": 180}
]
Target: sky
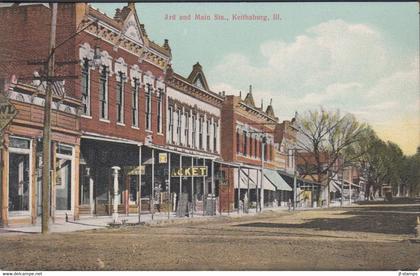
[{"x": 361, "y": 58}]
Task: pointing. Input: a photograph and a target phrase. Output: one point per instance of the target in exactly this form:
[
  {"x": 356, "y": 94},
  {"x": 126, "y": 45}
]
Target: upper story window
[
  {"x": 238, "y": 144},
  {"x": 148, "y": 109},
  {"x": 135, "y": 103},
  {"x": 266, "y": 150},
  {"x": 208, "y": 135},
  {"x": 214, "y": 137},
  {"x": 186, "y": 129},
  {"x": 120, "y": 98},
  {"x": 245, "y": 146},
  {"x": 86, "y": 87},
  {"x": 251, "y": 146},
  {"x": 200, "y": 133},
  {"x": 103, "y": 93},
  {"x": 171, "y": 124},
  {"x": 255, "y": 147},
  {"x": 159, "y": 110},
  {"x": 290, "y": 158},
  {"x": 178, "y": 126},
  {"x": 194, "y": 131}
]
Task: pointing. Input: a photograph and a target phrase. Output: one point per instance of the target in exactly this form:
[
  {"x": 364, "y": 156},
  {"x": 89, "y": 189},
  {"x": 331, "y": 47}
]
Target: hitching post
[{"x": 115, "y": 210}]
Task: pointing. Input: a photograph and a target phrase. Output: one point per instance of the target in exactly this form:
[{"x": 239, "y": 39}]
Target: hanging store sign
[
  {"x": 135, "y": 170},
  {"x": 163, "y": 158},
  {"x": 189, "y": 171}
]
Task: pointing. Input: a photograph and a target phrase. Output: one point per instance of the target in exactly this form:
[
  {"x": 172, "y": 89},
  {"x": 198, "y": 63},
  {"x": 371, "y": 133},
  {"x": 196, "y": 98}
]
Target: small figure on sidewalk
[{"x": 289, "y": 204}]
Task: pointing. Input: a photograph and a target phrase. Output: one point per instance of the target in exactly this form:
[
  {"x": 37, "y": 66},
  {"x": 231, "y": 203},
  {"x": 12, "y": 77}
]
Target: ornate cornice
[
  {"x": 150, "y": 51},
  {"x": 256, "y": 112},
  {"x": 182, "y": 85}
]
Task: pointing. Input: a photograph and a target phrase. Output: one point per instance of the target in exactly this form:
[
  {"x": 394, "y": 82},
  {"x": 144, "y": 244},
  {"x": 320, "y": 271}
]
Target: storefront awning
[
  {"x": 350, "y": 183},
  {"x": 245, "y": 179},
  {"x": 334, "y": 187},
  {"x": 300, "y": 182},
  {"x": 105, "y": 138},
  {"x": 275, "y": 179}
]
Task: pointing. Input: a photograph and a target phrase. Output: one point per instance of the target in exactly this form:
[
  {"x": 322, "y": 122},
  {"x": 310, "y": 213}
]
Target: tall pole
[
  {"x": 350, "y": 182},
  {"x": 248, "y": 194},
  {"x": 294, "y": 190},
  {"x": 262, "y": 174},
  {"x": 239, "y": 186},
  {"x": 180, "y": 177},
  {"x": 342, "y": 191},
  {"x": 192, "y": 189},
  {"x": 153, "y": 182},
  {"x": 257, "y": 192},
  {"x": 294, "y": 182},
  {"x": 212, "y": 188},
  {"x": 205, "y": 190},
  {"x": 47, "y": 124},
  {"x": 139, "y": 199},
  {"x": 169, "y": 185}
]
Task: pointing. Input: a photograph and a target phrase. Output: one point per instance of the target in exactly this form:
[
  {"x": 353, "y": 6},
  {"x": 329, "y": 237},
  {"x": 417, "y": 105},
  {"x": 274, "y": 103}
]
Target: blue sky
[{"x": 359, "y": 57}]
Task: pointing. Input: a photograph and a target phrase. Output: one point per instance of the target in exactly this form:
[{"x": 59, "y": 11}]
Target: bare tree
[{"x": 324, "y": 137}]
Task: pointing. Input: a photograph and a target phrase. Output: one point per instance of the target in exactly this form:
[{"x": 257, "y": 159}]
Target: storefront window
[{"x": 19, "y": 174}]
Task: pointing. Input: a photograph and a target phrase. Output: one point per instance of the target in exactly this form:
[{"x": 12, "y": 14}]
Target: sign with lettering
[
  {"x": 189, "y": 171},
  {"x": 163, "y": 158},
  {"x": 135, "y": 170},
  {"x": 7, "y": 111}
]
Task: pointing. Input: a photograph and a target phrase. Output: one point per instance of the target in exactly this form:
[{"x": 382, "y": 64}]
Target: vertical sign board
[{"x": 7, "y": 112}]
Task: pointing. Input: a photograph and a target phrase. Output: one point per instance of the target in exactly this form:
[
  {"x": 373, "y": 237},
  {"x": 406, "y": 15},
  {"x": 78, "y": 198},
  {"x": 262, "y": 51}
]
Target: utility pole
[
  {"x": 47, "y": 124},
  {"x": 294, "y": 181},
  {"x": 264, "y": 140}
]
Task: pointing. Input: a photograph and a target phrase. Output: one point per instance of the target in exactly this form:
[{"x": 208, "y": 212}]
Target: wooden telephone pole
[{"x": 46, "y": 157}]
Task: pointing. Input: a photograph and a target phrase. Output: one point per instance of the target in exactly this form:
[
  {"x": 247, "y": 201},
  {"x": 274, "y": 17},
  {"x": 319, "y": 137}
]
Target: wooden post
[
  {"x": 204, "y": 189},
  {"x": 77, "y": 179},
  {"x": 212, "y": 188},
  {"x": 169, "y": 186},
  {"x": 249, "y": 195},
  {"x": 47, "y": 124},
  {"x": 33, "y": 181},
  {"x": 139, "y": 196},
  {"x": 239, "y": 187},
  {"x": 3, "y": 178},
  {"x": 192, "y": 189},
  {"x": 153, "y": 183}
]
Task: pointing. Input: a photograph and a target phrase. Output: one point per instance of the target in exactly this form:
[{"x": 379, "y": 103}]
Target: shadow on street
[{"x": 385, "y": 219}]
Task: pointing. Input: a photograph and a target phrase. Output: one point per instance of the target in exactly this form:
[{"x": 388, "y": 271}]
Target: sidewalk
[{"x": 101, "y": 222}]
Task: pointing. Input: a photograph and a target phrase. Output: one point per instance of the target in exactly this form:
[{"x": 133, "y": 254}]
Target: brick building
[
  {"x": 193, "y": 135},
  {"x": 118, "y": 96},
  {"x": 249, "y": 147},
  {"x": 121, "y": 84},
  {"x": 25, "y": 36}
]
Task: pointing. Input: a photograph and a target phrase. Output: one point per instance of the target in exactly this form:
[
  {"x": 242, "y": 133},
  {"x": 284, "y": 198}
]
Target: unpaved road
[{"x": 364, "y": 237}]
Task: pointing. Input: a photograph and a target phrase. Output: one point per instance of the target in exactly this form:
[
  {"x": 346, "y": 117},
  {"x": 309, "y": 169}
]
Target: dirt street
[{"x": 363, "y": 237}]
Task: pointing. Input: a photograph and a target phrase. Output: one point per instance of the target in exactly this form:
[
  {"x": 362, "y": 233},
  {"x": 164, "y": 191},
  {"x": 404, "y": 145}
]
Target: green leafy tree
[{"x": 324, "y": 137}]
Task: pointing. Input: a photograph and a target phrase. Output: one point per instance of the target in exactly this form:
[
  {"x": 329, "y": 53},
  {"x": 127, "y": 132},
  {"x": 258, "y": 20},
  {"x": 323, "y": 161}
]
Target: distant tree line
[{"x": 335, "y": 142}]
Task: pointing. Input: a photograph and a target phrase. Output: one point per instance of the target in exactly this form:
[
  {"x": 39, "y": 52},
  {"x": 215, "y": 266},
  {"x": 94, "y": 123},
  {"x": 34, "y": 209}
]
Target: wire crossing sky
[{"x": 361, "y": 58}]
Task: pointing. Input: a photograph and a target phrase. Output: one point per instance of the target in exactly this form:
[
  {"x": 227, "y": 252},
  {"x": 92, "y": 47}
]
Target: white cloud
[{"x": 336, "y": 64}]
